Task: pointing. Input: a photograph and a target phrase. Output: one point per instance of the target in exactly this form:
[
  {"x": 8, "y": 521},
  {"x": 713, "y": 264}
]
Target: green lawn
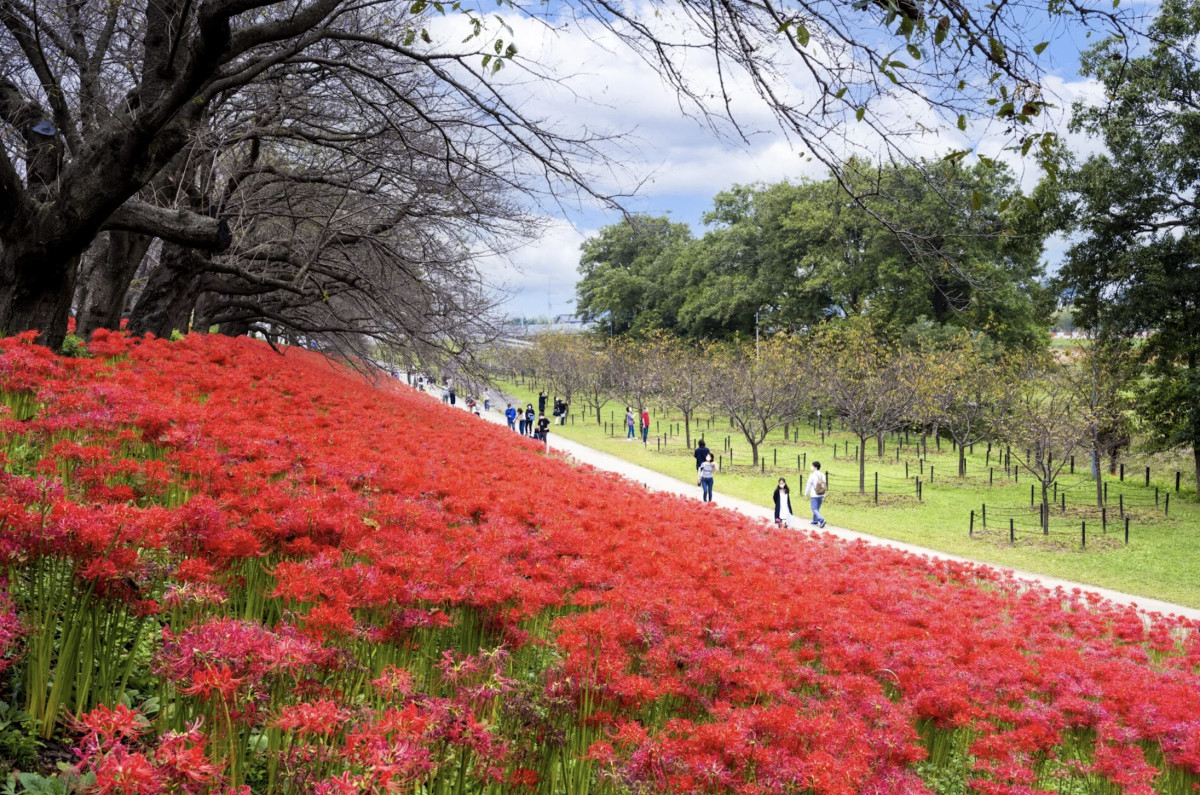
[{"x": 1162, "y": 559}]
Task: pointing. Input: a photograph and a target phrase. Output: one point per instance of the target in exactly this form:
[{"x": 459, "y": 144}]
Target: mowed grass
[{"x": 1162, "y": 559}]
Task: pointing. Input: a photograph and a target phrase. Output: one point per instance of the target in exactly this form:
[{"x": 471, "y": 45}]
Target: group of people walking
[
  {"x": 527, "y": 422},
  {"x": 815, "y": 488},
  {"x": 522, "y": 421}
]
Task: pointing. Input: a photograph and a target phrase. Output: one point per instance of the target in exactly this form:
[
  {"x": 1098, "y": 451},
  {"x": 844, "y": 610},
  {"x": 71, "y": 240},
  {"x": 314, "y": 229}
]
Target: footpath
[{"x": 655, "y": 481}]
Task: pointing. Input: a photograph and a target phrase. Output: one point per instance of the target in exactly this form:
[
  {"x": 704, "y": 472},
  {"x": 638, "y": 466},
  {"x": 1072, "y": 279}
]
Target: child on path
[
  {"x": 706, "y": 478},
  {"x": 815, "y": 491},
  {"x": 783, "y": 505}
]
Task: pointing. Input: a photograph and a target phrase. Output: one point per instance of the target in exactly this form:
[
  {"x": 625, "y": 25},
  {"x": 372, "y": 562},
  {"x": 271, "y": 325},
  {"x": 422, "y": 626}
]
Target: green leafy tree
[
  {"x": 959, "y": 246},
  {"x": 620, "y": 283},
  {"x": 787, "y": 257},
  {"x": 1136, "y": 267}
]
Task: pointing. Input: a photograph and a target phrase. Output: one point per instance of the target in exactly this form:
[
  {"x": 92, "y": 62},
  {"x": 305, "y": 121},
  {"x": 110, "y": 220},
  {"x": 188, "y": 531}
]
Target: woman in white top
[
  {"x": 706, "y": 478},
  {"x": 815, "y": 491}
]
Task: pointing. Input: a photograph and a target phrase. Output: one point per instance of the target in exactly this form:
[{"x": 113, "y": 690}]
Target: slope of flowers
[{"x": 231, "y": 570}]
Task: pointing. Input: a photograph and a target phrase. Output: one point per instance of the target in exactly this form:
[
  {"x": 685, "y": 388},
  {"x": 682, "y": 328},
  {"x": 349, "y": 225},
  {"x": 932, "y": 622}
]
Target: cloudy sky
[{"x": 672, "y": 163}]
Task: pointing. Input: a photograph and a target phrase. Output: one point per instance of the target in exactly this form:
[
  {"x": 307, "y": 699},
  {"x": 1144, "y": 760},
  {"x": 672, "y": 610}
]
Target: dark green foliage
[{"x": 957, "y": 246}]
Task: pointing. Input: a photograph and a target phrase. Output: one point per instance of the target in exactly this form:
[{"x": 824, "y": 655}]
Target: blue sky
[{"x": 678, "y": 164}]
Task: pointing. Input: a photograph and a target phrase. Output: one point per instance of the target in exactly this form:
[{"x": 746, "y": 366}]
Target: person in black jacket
[
  {"x": 701, "y": 453},
  {"x": 541, "y": 403},
  {"x": 783, "y": 505}
]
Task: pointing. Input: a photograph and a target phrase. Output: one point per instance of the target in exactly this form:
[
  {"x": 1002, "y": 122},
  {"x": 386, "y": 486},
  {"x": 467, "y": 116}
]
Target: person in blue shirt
[{"x": 510, "y": 414}]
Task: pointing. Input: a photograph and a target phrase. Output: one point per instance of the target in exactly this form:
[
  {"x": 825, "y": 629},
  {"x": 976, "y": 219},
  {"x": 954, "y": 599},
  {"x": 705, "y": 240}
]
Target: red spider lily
[{"x": 317, "y": 549}]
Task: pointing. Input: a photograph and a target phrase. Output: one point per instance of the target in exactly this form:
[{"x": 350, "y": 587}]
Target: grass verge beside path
[{"x": 1162, "y": 559}]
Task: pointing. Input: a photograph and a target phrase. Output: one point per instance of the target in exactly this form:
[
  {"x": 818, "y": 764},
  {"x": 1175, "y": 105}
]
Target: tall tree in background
[
  {"x": 1136, "y": 269},
  {"x": 786, "y": 257},
  {"x": 621, "y": 285}
]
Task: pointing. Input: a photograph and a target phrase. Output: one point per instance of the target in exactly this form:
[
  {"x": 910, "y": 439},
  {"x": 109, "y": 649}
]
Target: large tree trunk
[
  {"x": 170, "y": 294},
  {"x": 36, "y": 293},
  {"x": 109, "y": 282}
]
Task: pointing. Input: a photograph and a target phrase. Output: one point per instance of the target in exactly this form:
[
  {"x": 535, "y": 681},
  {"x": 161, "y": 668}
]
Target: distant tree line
[{"x": 790, "y": 256}]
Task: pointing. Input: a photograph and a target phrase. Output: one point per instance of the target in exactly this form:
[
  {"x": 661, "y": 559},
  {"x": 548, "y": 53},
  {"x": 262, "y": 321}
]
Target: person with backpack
[
  {"x": 783, "y": 505},
  {"x": 529, "y": 416},
  {"x": 705, "y": 478},
  {"x": 815, "y": 491}
]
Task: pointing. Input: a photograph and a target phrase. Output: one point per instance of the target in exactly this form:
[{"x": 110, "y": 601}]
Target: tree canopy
[{"x": 798, "y": 254}]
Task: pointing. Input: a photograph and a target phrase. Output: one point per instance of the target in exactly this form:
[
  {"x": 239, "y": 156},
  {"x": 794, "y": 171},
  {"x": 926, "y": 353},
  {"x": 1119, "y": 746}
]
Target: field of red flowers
[{"x": 227, "y": 570}]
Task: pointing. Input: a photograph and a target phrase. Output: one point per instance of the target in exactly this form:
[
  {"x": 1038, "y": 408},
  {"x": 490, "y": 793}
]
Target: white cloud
[{"x": 539, "y": 278}]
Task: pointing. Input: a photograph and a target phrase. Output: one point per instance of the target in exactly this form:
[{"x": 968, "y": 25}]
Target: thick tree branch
[{"x": 176, "y": 226}]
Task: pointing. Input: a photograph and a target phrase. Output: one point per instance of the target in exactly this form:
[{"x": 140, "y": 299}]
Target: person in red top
[{"x": 645, "y": 425}]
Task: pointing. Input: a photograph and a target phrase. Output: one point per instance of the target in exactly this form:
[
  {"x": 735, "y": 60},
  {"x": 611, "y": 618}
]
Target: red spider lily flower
[
  {"x": 106, "y": 725},
  {"x": 121, "y": 772},
  {"x": 321, "y": 718}
]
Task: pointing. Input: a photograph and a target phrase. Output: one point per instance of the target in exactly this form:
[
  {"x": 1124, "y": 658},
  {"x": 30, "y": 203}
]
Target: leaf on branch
[
  {"x": 858, "y": 115},
  {"x": 1038, "y": 49},
  {"x": 962, "y": 122},
  {"x": 802, "y": 35},
  {"x": 943, "y": 27}
]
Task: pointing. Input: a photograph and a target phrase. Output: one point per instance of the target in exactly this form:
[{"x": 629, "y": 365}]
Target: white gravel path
[{"x": 656, "y": 481}]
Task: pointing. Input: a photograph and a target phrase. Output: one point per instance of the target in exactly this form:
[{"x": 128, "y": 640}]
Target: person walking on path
[
  {"x": 629, "y": 423},
  {"x": 529, "y": 416},
  {"x": 543, "y": 428},
  {"x": 701, "y": 453},
  {"x": 705, "y": 478},
  {"x": 510, "y": 416},
  {"x": 783, "y": 505},
  {"x": 815, "y": 491},
  {"x": 541, "y": 402},
  {"x": 645, "y": 425}
]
